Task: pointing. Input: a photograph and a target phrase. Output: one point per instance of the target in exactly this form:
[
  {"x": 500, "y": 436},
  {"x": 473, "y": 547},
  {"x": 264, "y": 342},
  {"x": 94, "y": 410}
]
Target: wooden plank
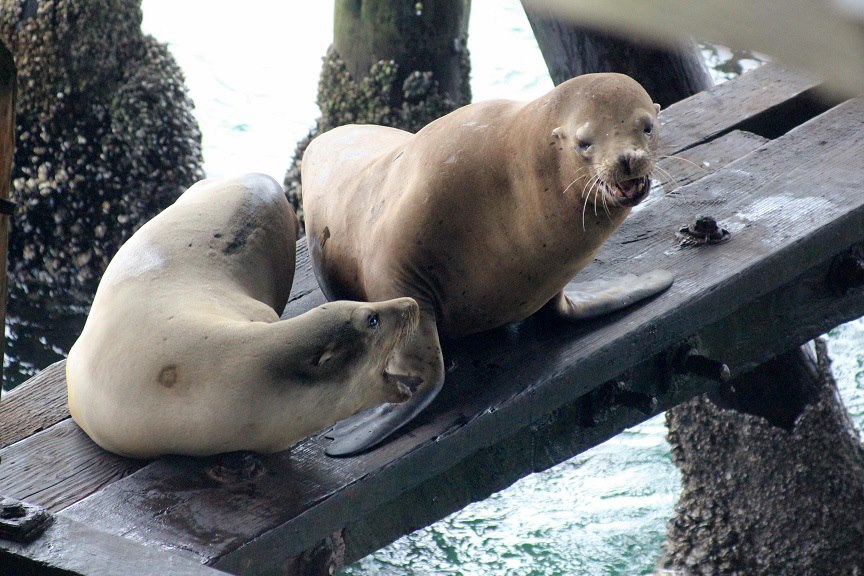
[
  {"x": 70, "y": 548},
  {"x": 8, "y": 83},
  {"x": 674, "y": 171},
  {"x": 59, "y": 466},
  {"x": 35, "y": 405},
  {"x": 769, "y": 94},
  {"x": 793, "y": 205},
  {"x": 751, "y": 336}
]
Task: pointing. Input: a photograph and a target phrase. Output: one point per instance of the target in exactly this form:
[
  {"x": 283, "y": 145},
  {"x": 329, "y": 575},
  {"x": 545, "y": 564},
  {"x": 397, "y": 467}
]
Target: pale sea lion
[
  {"x": 183, "y": 351},
  {"x": 482, "y": 217}
]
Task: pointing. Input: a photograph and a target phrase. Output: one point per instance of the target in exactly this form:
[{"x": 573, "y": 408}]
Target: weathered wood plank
[
  {"x": 69, "y": 548},
  {"x": 34, "y": 406},
  {"x": 751, "y": 336},
  {"x": 769, "y": 94},
  {"x": 793, "y": 205},
  {"x": 702, "y": 160},
  {"x": 59, "y": 466}
]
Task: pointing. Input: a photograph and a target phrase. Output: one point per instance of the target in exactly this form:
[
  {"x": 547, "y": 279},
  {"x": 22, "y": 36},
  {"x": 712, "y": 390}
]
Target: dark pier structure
[{"x": 770, "y": 162}]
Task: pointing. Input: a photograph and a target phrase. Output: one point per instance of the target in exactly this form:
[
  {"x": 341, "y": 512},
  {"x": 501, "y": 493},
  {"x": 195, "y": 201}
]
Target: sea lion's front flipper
[
  {"x": 597, "y": 297},
  {"x": 420, "y": 366}
]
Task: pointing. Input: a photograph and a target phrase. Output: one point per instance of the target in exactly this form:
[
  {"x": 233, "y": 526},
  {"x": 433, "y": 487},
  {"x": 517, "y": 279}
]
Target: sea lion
[
  {"x": 183, "y": 351},
  {"x": 482, "y": 217}
]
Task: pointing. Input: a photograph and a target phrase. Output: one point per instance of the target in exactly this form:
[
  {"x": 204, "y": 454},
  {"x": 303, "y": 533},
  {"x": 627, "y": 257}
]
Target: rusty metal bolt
[
  {"x": 12, "y": 511},
  {"x": 22, "y": 522},
  {"x": 703, "y": 231}
]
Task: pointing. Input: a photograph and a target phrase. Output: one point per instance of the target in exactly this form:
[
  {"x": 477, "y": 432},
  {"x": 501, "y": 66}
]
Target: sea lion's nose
[{"x": 626, "y": 161}]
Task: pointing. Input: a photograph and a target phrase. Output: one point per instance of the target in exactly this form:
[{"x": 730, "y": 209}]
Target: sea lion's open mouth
[{"x": 630, "y": 192}]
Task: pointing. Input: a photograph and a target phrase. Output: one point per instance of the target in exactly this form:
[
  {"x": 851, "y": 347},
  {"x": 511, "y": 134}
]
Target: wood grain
[
  {"x": 59, "y": 466},
  {"x": 35, "y": 405},
  {"x": 71, "y": 548},
  {"x": 770, "y": 93}
]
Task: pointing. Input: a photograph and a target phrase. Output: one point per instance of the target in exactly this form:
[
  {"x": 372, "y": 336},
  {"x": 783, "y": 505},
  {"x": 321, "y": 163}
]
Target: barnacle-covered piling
[{"x": 106, "y": 137}]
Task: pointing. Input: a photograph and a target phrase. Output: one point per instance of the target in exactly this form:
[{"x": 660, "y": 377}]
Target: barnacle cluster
[
  {"x": 105, "y": 137},
  {"x": 377, "y": 98}
]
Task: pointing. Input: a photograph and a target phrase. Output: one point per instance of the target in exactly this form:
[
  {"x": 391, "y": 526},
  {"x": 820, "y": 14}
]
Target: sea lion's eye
[
  {"x": 373, "y": 321},
  {"x": 583, "y": 145}
]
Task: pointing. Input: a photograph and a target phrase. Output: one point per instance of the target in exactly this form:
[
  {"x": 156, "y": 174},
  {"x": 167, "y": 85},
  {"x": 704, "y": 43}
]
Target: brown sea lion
[
  {"x": 183, "y": 351},
  {"x": 482, "y": 217}
]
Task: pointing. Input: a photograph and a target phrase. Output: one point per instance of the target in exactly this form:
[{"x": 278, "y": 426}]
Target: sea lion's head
[
  {"x": 350, "y": 344},
  {"x": 610, "y": 134}
]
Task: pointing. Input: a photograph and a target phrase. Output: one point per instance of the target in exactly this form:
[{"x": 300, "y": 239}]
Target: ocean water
[{"x": 252, "y": 71}]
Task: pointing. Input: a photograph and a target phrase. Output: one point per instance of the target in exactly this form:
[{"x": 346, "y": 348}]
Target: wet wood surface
[{"x": 524, "y": 397}]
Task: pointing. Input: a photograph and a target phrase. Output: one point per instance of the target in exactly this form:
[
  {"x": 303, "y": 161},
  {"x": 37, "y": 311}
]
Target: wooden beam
[
  {"x": 793, "y": 205},
  {"x": 34, "y": 406},
  {"x": 8, "y": 84},
  {"x": 69, "y": 548},
  {"x": 58, "y": 467}
]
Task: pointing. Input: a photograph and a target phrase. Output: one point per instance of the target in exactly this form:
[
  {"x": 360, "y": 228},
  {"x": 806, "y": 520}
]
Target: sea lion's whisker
[
  {"x": 569, "y": 185},
  {"x": 598, "y": 190},
  {"x": 681, "y": 159},
  {"x": 576, "y": 179},
  {"x": 668, "y": 176},
  {"x": 606, "y": 208},
  {"x": 588, "y": 185},
  {"x": 594, "y": 180}
]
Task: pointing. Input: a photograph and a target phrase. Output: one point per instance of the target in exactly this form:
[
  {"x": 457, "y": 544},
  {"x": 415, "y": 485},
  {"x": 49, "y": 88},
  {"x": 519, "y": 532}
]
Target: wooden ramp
[{"x": 779, "y": 169}]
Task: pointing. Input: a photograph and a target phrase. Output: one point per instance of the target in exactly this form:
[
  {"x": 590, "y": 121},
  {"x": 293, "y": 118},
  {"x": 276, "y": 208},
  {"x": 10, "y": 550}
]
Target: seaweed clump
[{"x": 105, "y": 138}]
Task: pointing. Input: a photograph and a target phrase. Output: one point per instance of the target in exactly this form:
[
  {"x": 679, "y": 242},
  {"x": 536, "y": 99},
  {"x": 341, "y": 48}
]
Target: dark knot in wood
[{"x": 703, "y": 231}]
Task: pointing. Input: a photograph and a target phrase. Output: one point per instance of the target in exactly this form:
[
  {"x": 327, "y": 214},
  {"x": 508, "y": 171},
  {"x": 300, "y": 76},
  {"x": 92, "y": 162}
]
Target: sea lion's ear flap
[
  {"x": 558, "y": 132},
  {"x": 656, "y": 108}
]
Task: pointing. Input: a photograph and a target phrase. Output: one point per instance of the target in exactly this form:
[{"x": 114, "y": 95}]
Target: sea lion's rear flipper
[
  {"x": 585, "y": 300},
  {"x": 419, "y": 365}
]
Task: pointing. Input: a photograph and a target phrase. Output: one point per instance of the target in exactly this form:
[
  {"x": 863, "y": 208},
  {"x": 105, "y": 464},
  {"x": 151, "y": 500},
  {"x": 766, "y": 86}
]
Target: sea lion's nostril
[{"x": 626, "y": 161}]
